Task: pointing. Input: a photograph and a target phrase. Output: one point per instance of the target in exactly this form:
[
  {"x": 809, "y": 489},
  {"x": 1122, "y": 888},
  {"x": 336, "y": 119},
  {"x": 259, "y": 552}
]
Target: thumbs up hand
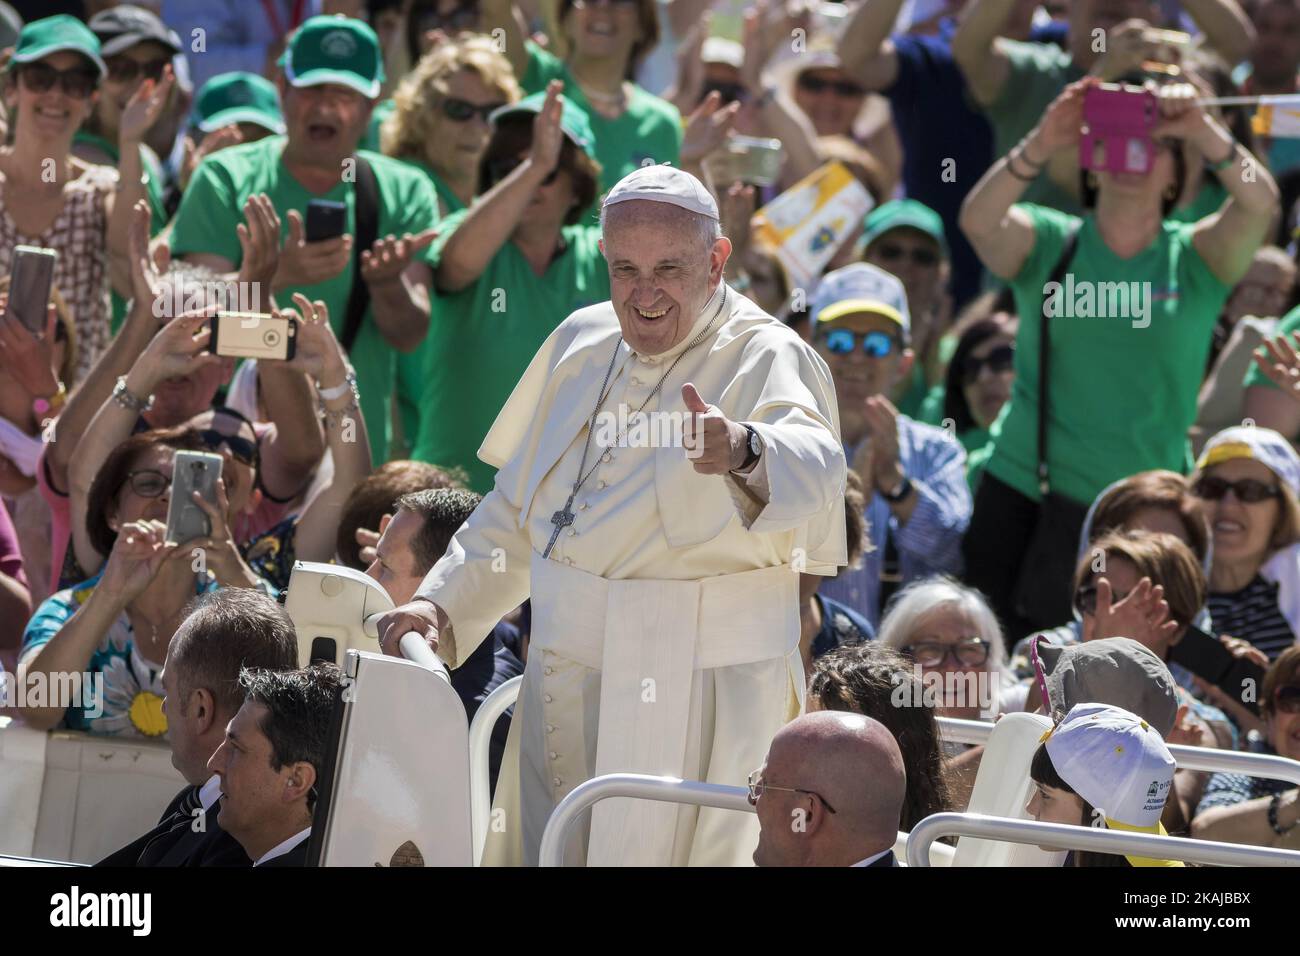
[{"x": 713, "y": 442}]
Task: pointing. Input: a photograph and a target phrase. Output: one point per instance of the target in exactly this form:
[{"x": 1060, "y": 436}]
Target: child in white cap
[{"x": 1102, "y": 766}]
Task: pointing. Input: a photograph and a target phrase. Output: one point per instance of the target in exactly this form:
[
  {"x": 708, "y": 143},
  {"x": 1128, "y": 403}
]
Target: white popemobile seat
[{"x": 334, "y": 610}]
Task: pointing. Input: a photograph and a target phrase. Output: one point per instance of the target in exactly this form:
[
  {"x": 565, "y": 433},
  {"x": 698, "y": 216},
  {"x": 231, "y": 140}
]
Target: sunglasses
[
  {"x": 241, "y": 449},
  {"x": 78, "y": 82},
  {"x": 148, "y": 482},
  {"x": 757, "y": 788},
  {"x": 970, "y": 653},
  {"x": 1000, "y": 360},
  {"x": 1286, "y": 700},
  {"x": 123, "y": 69},
  {"x": 501, "y": 168},
  {"x": 843, "y": 341},
  {"x": 462, "y": 111},
  {"x": 593, "y": 4},
  {"x": 811, "y": 84},
  {"x": 1247, "y": 490},
  {"x": 730, "y": 92},
  {"x": 892, "y": 252}
]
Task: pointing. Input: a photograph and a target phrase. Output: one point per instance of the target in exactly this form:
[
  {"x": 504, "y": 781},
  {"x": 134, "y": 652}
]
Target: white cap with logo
[
  {"x": 664, "y": 184},
  {"x": 861, "y": 287}
]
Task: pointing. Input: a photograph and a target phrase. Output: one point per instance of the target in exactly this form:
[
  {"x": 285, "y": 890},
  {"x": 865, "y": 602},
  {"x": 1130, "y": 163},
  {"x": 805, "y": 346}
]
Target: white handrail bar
[
  {"x": 639, "y": 786},
  {"x": 1063, "y": 835},
  {"x": 415, "y": 650},
  {"x": 1208, "y": 759},
  {"x": 480, "y": 742}
]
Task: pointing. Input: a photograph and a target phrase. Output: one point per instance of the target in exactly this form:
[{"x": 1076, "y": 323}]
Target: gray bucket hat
[{"x": 1114, "y": 670}]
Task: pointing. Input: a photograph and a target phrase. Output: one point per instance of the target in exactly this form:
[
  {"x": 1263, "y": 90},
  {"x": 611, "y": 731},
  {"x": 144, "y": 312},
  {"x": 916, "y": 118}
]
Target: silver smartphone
[
  {"x": 191, "y": 471},
  {"x": 30, "y": 281}
]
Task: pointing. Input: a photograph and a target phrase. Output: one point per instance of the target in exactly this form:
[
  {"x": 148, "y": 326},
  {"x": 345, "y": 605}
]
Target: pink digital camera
[{"x": 1118, "y": 121}]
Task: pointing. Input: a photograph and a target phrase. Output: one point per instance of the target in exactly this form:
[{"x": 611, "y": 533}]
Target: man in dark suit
[
  {"x": 223, "y": 632},
  {"x": 830, "y": 793},
  {"x": 412, "y": 542},
  {"x": 272, "y": 758}
]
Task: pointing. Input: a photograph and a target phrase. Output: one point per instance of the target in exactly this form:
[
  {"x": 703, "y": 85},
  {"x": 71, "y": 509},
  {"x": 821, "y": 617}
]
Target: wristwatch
[
  {"x": 134, "y": 403},
  {"x": 898, "y": 494},
  {"x": 754, "y": 448}
]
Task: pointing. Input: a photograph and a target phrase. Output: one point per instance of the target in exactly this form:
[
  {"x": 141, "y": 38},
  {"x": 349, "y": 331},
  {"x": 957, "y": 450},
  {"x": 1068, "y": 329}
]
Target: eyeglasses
[
  {"x": 843, "y": 341},
  {"x": 1247, "y": 490},
  {"x": 1085, "y": 599},
  {"x": 78, "y": 82},
  {"x": 462, "y": 111},
  {"x": 501, "y": 168},
  {"x": 240, "y": 448},
  {"x": 462, "y": 18},
  {"x": 812, "y": 84},
  {"x": 971, "y": 652},
  {"x": 1286, "y": 700},
  {"x": 123, "y": 69},
  {"x": 893, "y": 252},
  {"x": 730, "y": 92},
  {"x": 757, "y": 787},
  {"x": 148, "y": 482},
  {"x": 1000, "y": 360}
]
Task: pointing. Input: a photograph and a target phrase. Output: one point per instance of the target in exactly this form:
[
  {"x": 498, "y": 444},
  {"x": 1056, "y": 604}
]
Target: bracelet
[
  {"x": 1272, "y": 816},
  {"x": 1226, "y": 161},
  {"x": 1023, "y": 151},
  {"x": 338, "y": 416},
  {"x": 338, "y": 391},
  {"x": 1011, "y": 168},
  {"x": 130, "y": 402}
]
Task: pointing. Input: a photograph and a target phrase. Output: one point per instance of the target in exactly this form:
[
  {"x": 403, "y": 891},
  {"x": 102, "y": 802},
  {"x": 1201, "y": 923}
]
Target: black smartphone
[
  {"x": 326, "y": 219},
  {"x": 191, "y": 471},
  {"x": 1206, "y": 657},
  {"x": 30, "y": 281}
]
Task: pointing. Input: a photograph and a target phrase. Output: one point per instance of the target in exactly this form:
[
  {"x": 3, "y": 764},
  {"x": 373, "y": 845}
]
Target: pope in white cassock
[{"x": 663, "y": 572}]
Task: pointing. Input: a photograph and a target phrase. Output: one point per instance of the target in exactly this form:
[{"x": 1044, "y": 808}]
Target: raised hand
[
  {"x": 389, "y": 256},
  {"x": 178, "y": 349},
  {"x": 259, "y": 245},
  {"x": 213, "y": 142},
  {"x": 714, "y": 443},
  {"x": 1279, "y": 359},
  {"x": 144, "y": 108},
  {"x": 27, "y": 357},
  {"x": 317, "y": 352},
  {"x": 310, "y": 263},
  {"x": 1143, "y": 615},
  {"x": 707, "y": 128},
  {"x": 369, "y": 540},
  {"x": 1062, "y": 122},
  {"x": 140, "y": 550},
  {"x": 548, "y": 136},
  {"x": 881, "y": 419}
]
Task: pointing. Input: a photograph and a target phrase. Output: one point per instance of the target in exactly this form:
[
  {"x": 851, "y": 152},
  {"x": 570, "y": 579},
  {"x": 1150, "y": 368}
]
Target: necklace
[{"x": 564, "y": 517}]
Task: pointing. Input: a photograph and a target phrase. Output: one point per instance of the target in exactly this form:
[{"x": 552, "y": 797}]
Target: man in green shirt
[{"x": 333, "y": 71}]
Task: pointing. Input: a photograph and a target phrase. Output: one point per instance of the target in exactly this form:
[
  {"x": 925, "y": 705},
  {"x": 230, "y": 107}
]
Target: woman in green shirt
[
  {"x": 1132, "y": 315},
  {"x": 440, "y": 125},
  {"x": 508, "y": 271},
  {"x": 599, "y": 44}
]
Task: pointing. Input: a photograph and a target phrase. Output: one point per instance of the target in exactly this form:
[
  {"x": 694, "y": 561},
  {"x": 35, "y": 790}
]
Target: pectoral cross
[{"x": 561, "y": 519}]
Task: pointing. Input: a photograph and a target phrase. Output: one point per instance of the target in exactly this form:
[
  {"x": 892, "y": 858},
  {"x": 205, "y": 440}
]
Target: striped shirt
[{"x": 1253, "y": 615}]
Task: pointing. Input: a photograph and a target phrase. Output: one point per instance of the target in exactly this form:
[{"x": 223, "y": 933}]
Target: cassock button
[
  {"x": 582, "y": 506},
  {"x": 547, "y": 698},
  {"x": 600, "y": 484},
  {"x": 572, "y": 532},
  {"x": 636, "y": 381},
  {"x": 568, "y": 561},
  {"x": 550, "y": 728},
  {"x": 554, "y": 755},
  {"x": 606, "y": 457},
  {"x": 558, "y": 782},
  {"x": 549, "y": 670}
]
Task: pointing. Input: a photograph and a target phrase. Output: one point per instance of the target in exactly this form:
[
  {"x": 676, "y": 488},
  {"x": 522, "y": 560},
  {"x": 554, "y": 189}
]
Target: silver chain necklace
[{"x": 564, "y": 517}]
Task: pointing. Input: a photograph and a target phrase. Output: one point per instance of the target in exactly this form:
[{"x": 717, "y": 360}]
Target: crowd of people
[{"x": 1066, "y": 389}]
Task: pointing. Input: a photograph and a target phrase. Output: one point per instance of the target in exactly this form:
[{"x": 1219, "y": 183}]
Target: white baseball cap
[
  {"x": 664, "y": 184},
  {"x": 1116, "y": 761},
  {"x": 722, "y": 50},
  {"x": 861, "y": 287},
  {"x": 1262, "y": 444}
]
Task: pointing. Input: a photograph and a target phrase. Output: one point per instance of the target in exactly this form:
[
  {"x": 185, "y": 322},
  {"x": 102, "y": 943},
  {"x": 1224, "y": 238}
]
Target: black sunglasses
[
  {"x": 892, "y": 252},
  {"x": 463, "y": 110},
  {"x": 1286, "y": 700},
  {"x": 79, "y": 82},
  {"x": 1247, "y": 490},
  {"x": 499, "y": 169},
  {"x": 730, "y": 92},
  {"x": 1000, "y": 360},
  {"x": 812, "y": 84},
  {"x": 123, "y": 69},
  {"x": 240, "y": 448}
]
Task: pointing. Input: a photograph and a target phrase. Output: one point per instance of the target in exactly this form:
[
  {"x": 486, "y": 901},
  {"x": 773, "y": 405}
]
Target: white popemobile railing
[
  {"x": 480, "y": 740},
  {"x": 1007, "y": 830}
]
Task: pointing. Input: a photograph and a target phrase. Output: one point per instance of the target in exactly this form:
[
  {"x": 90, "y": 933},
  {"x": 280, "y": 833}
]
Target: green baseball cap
[
  {"x": 328, "y": 49},
  {"x": 40, "y": 38},
  {"x": 573, "y": 121},
  {"x": 900, "y": 213},
  {"x": 238, "y": 98}
]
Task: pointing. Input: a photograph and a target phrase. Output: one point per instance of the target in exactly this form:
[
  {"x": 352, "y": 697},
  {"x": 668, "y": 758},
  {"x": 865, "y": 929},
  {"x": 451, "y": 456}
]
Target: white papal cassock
[{"x": 665, "y": 623}]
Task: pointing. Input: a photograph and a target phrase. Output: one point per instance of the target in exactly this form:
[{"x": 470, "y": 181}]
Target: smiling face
[
  {"x": 52, "y": 116},
  {"x": 662, "y": 270},
  {"x": 917, "y": 260},
  {"x": 859, "y": 376},
  {"x": 989, "y": 389},
  {"x": 949, "y": 631},
  {"x": 830, "y": 98},
  {"x": 1283, "y": 732},
  {"x": 1242, "y": 531},
  {"x": 605, "y": 30},
  {"x": 133, "y": 506},
  {"x": 126, "y": 71},
  {"x": 454, "y": 147},
  {"x": 325, "y": 123}
]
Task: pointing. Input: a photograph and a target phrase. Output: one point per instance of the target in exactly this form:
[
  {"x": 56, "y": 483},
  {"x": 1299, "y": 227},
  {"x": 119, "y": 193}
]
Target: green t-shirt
[
  {"x": 212, "y": 208},
  {"x": 1039, "y": 72},
  {"x": 483, "y": 337},
  {"x": 649, "y": 131},
  {"x": 1209, "y": 199},
  {"x": 410, "y": 365},
  {"x": 383, "y": 109},
  {"x": 1121, "y": 397}
]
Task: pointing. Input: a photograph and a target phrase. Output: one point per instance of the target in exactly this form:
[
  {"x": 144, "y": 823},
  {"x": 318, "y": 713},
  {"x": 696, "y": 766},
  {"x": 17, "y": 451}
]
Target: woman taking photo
[
  {"x": 508, "y": 271},
  {"x": 599, "y": 46},
  {"x": 1122, "y": 372},
  {"x": 54, "y": 200}
]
